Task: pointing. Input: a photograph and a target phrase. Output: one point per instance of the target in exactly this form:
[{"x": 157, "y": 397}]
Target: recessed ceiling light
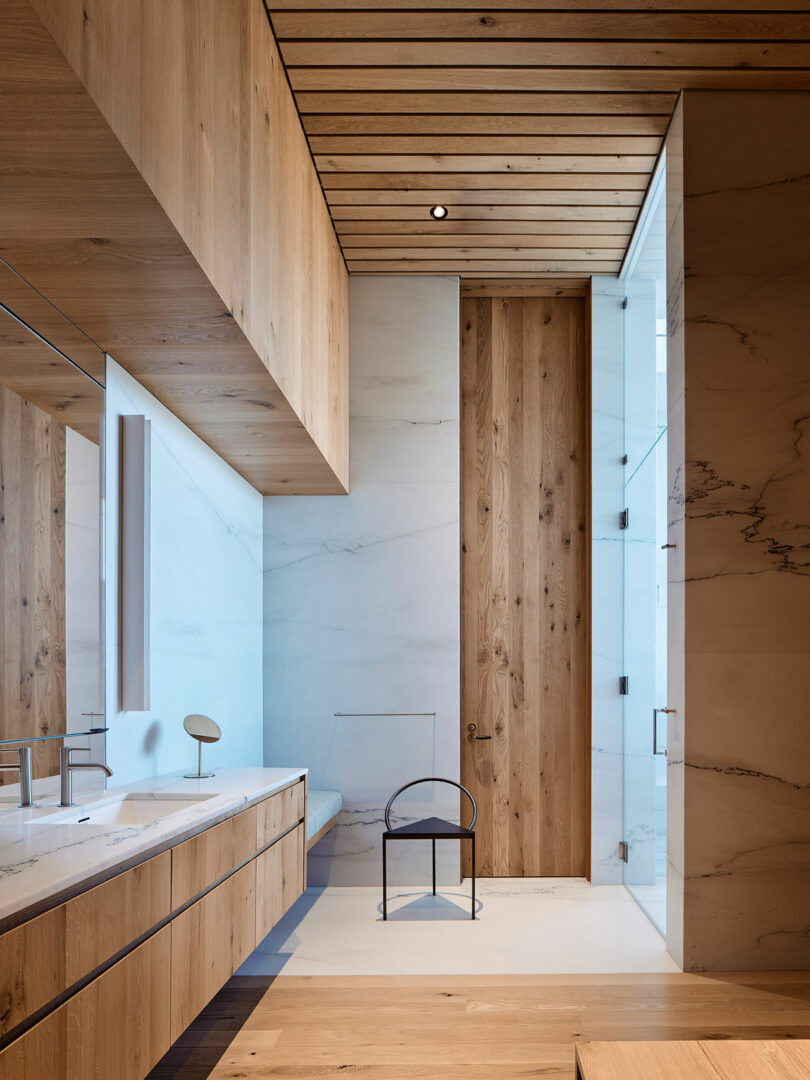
[{"x": 438, "y": 212}]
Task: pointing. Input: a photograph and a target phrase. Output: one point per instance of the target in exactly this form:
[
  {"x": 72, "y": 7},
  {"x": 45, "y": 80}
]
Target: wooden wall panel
[
  {"x": 525, "y": 575},
  {"x": 198, "y": 97},
  {"x": 32, "y": 579}
]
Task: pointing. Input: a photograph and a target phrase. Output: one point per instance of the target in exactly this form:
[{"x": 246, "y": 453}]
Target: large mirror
[{"x": 51, "y": 530}]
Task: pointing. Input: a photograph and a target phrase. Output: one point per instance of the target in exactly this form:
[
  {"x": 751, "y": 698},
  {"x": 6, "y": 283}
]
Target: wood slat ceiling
[{"x": 536, "y": 122}]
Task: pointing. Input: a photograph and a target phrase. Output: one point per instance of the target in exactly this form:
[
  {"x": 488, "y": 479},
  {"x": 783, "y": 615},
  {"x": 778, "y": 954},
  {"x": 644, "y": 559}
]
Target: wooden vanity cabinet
[
  {"x": 279, "y": 880},
  {"x": 119, "y": 971},
  {"x": 117, "y": 1026},
  {"x": 210, "y": 940}
]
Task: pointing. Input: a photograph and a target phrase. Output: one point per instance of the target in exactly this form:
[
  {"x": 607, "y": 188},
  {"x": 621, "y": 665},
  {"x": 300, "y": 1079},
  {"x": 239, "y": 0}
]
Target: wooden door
[{"x": 525, "y": 581}]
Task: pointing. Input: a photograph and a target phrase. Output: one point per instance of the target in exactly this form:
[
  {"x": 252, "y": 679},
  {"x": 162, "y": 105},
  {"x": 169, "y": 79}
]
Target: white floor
[{"x": 522, "y": 926}]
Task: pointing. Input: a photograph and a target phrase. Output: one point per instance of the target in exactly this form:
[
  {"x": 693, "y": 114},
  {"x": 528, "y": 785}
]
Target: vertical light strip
[{"x": 135, "y": 578}]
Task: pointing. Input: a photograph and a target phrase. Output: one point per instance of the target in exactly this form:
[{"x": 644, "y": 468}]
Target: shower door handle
[{"x": 656, "y": 751}]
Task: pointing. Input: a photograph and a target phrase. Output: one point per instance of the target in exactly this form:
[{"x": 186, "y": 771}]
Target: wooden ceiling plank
[
  {"x": 475, "y": 198},
  {"x": 584, "y": 255},
  {"x": 496, "y": 216},
  {"x": 383, "y": 231},
  {"x": 490, "y": 181},
  {"x": 521, "y": 241},
  {"x": 548, "y": 54},
  {"x": 528, "y": 25},
  {"x": 484, "y": 266},
  {"x": 434, "y": 101},
  {"x": 484, "y": 163},
  {"x": 504, "y": 126},
  {"x": 532, "y": 5},
  {"x": 546, "y": 79},
  {"x": 444, "y": 145}
]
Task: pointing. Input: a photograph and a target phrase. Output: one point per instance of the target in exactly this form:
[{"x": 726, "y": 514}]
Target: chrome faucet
[
  {"x": 26, "y": 774},
  {"x": 67, "y": 767}
]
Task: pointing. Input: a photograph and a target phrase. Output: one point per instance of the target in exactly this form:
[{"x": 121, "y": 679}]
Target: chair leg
[
  {"x": 434, "y": 866},
  {"x": 473, "y": 875},
  {"x": 385, "y": 884}
]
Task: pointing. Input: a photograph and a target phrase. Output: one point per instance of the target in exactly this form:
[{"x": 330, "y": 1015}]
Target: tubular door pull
[
  {"x": 656, "y": 751},
  {"x": 480, "y": 738}
]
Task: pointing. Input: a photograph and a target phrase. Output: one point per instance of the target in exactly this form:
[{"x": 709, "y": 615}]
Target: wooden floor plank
[{"x": 471, "y": 1027}]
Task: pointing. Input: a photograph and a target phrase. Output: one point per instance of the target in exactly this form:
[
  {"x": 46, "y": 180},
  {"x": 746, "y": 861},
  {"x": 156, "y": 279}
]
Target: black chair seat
[{"x": 432, "y": 828}]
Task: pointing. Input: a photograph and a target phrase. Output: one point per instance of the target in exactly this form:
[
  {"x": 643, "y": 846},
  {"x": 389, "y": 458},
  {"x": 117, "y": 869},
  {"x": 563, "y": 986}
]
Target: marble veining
[
  {"x": 40, "y": 860},
  {"x": 739, "y": 765}
]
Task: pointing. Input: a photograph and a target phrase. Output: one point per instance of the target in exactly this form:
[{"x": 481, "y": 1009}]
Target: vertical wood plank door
[{"x": 525, "y": 581}]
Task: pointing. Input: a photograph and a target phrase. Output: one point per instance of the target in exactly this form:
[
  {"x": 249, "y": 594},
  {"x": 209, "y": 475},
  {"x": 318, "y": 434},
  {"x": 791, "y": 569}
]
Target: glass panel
[{"x": 645, "y": 565}]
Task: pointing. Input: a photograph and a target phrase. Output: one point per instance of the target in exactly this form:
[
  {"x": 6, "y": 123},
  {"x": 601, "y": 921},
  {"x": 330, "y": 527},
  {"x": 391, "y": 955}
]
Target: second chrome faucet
[{"x": 68, "y": 767}]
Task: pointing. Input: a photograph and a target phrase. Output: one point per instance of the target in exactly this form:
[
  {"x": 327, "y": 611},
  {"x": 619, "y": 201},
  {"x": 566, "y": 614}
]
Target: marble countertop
[{"x": 40, "y": 863}]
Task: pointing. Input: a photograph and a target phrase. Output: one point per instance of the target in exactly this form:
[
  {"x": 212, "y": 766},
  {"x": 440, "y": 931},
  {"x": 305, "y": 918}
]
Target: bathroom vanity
[{"x": 121, "y": 918}]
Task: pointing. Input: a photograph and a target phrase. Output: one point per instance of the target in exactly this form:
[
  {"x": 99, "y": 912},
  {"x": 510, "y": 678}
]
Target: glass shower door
[{"x": 645, "y": 569}]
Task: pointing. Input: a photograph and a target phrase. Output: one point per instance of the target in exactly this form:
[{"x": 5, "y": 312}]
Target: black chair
[{"x": 432, "y": 828}]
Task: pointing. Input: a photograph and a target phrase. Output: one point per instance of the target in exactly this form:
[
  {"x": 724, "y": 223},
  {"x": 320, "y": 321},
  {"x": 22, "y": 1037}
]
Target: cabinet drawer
[
  {"x": 118, "y": 1026},
  {"x": 205, "y": 858},
  {"x": 116, "y": 913},
  {"x": 45, "y": 956},
  {"x": 279, "y": 880},
  {"x": 279, "y": 813},
  {"x": 209, "y": 942}
]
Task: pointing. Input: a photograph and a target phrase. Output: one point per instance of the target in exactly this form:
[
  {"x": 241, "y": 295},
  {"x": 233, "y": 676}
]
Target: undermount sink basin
[{"x": 129, "y": 809}]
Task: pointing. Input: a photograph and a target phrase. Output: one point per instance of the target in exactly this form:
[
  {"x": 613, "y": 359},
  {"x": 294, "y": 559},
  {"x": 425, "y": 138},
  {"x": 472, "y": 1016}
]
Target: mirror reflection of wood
[
  {"x": 42, "y": 564},
  {"x": 32, "y": 578}
]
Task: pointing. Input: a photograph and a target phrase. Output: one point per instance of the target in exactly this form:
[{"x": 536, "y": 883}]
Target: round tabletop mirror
[{"x": 204, "y": 730}]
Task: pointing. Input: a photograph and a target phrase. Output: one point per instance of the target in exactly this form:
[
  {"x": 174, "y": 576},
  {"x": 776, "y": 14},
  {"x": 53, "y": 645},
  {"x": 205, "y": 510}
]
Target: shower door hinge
[
  {"x": 624, "y": 851},
  {"x": 624, "y": 684},
  {"x": 624, "y": 518},
  {"x": 625, "y": 302}
]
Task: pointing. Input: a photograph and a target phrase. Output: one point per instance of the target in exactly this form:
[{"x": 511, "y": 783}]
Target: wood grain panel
[
  {"x": 279, "y": 813},
  {"x": 32, "y": 580},
  {"x": 33, "y": 969},
  {"x": 106, "y": 919},
  {"x": 212, "y": 854},
  {"x": 525, "y": 571},
  {"x": 231, "y": 309},
  {"x": 202, "y": 956},
  {"x": 118, "y": 1026},
  {"x": 564, "y": 93},
  {"x": 279, "y": 880},
  {"x": 648, "y": 25}
]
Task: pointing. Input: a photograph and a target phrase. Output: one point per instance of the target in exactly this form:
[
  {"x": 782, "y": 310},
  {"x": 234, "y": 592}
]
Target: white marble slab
[
  {"x": 739, "y": 764},
  {"x": 38, "y": 860},
  {"x": 362, "y": 592}
]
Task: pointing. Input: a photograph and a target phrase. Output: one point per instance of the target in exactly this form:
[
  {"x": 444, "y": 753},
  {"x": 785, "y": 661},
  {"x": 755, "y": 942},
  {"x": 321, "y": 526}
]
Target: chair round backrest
[{"x": 430, "y": 780}]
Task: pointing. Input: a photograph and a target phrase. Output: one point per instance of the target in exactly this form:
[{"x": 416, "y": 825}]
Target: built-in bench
[
  {"x": 707, "y": 1059},
  {"x": 323, "y": 808}
]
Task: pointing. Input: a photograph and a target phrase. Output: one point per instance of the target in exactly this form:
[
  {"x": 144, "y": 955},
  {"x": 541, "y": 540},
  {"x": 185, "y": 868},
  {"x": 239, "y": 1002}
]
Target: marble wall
[
  {"x": 206, "y": 598},
  {"x": 607, "y": 486},
  {"x": 738, "y": 186},
  {"x": 362, "y": 591}
]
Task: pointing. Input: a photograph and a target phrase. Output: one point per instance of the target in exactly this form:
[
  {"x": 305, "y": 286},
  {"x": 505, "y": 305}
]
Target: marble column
[{"x": 738, "y": 200}]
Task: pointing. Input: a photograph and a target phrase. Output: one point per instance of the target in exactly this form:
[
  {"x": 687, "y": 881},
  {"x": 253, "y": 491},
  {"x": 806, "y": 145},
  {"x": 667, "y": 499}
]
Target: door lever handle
[{"x": 472, "y": 735}]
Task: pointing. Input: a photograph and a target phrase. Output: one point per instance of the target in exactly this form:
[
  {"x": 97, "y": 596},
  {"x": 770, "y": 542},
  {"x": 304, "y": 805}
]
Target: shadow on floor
[{"x": 428, "y": 908}]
